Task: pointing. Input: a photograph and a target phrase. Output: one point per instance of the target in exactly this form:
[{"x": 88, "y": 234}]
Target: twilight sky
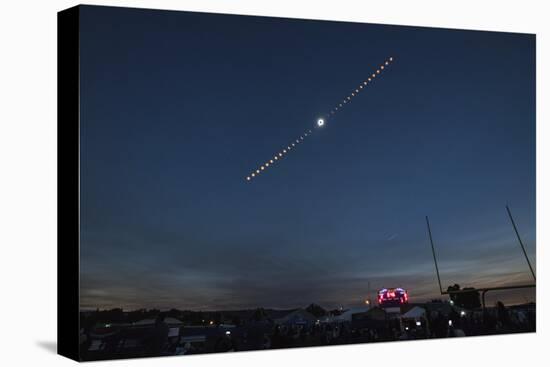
[{"x": 177, "y": 108}]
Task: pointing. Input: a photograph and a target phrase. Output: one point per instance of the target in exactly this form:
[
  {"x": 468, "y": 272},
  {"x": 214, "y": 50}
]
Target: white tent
[
  {"x": 347, "y": 314},
  {"x": 297, "y": 317},
  {"x": 415, "y": 313}
]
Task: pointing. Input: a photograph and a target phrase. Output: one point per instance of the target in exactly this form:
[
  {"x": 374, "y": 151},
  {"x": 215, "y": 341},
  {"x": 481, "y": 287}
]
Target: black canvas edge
[{"x": 68, "y": 183}]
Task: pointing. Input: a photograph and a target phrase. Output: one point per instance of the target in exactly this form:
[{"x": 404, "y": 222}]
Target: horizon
[{"x": 327, "y": 309}]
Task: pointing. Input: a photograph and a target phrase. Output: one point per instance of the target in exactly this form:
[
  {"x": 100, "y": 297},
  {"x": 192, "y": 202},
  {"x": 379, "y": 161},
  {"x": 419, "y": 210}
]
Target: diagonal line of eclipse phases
[{"x": 321, "y": 122}]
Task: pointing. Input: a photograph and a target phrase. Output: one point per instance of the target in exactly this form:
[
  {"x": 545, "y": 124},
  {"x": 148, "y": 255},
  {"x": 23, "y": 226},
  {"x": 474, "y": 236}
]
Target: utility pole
[{"x": 368, "y": 294}]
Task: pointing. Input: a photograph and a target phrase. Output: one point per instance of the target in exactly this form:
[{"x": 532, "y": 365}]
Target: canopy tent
[
  {"x": 415, "y": 313},
  {"x": 348, "y": 314},
  {"x": 296, "y": 317}
]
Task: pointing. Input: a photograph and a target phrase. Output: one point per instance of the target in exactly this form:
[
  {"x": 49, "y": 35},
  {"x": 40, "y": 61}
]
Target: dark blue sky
[{"x": 177, "y": 108}]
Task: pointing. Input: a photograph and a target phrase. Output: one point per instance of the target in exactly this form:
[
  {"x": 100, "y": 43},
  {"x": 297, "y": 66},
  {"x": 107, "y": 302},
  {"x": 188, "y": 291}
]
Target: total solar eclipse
[{"x": 321, "y": 121}]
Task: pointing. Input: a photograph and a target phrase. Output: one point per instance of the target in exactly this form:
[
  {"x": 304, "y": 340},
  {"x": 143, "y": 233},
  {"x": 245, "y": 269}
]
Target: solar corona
[{"x": 322, "y": 121}]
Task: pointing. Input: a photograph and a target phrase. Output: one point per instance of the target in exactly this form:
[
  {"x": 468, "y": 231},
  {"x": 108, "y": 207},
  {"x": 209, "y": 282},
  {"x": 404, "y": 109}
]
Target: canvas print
[{"x": 255, "y": 183}]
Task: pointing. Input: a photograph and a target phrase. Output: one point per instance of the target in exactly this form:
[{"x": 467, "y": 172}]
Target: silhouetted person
[
  {"x": 503, "y": 317},
  {"x": 159, "y": 336}
]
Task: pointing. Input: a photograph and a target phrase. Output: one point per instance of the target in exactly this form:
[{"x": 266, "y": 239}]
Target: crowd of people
[{"x": 261, "y": 332}]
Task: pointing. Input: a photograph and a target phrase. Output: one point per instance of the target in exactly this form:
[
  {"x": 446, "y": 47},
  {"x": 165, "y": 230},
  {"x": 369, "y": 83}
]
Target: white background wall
[{"x": 28, "y": 181}]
